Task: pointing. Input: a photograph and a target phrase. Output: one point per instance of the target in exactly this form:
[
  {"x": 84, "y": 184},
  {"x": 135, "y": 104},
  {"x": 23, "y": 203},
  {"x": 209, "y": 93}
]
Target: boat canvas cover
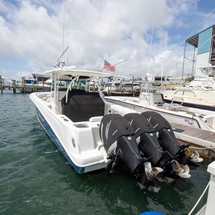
[{"x": 82, "y": 105}]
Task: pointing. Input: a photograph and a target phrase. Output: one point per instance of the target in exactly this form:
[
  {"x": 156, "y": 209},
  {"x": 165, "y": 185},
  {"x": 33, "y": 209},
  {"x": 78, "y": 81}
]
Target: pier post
[
  {"x": 211, "y": 196},
  {"x": 1, "y": 84},
  {"x": 23, "y": 85},
  {"x": 14, "y": 86}
]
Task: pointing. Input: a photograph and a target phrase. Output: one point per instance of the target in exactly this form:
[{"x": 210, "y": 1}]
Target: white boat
[
  {"x": 192, "y": 97},
  {"x": 77, "y": 139},
  {"x": 123, "y": 86},
  {"x": 202, "y": 82},
  {"x": 91, "y": 136},
  {"x": 174, "y": 113}
]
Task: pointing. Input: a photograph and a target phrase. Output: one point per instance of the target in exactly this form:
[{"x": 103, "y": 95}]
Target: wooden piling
[
  {"x": 1, "y": 84},
  {"x": 14, "y": 86},
  {"x": 23, "y": 85}
]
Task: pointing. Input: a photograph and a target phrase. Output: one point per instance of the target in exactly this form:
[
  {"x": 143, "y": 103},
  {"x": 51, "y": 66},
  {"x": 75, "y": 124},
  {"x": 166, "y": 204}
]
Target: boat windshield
[{"x": 64, "y": 84}]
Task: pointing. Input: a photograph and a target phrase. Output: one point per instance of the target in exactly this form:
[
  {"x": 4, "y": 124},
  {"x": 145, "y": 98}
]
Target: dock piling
[{"x": 1, "y": 84}]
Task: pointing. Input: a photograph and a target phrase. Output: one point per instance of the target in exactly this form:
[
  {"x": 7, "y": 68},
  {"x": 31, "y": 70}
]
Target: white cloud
[{"x": 32, "y": 33}]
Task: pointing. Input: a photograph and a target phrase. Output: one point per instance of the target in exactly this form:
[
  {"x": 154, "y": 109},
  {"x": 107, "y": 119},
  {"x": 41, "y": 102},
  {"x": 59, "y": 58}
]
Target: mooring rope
[{"x": 199, "y": 199}]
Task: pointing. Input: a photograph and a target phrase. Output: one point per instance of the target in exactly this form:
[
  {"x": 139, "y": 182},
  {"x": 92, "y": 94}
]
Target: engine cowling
[
  {"x": 167, "y": 138},
  {"x": 120, "y": 143},
  {"x": 149, "y": 144}
]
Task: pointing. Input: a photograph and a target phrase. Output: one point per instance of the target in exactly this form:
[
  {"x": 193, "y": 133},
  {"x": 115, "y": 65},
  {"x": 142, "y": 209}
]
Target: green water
[{"x": 35, "y": 178}]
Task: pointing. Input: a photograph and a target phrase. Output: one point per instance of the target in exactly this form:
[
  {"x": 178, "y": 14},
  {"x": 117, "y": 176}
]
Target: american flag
[{"x": 108, "y": 66}]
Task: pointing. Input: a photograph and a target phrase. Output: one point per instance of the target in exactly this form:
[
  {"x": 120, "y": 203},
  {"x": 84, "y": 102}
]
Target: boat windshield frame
[{"x": 69, "y": 74}]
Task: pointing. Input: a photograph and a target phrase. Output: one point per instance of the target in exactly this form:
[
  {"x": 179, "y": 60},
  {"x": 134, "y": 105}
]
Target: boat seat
[{"x": 82, "y": 105}]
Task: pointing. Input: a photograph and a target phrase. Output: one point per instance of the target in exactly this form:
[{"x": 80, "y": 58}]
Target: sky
[{"x": 140, "y": 37}]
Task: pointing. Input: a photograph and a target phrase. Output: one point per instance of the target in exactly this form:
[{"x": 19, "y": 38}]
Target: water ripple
[{"x": 36, "y": 179}]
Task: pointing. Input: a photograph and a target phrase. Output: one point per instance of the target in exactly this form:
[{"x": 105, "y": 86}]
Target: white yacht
[{"x": 92, "y": 135}]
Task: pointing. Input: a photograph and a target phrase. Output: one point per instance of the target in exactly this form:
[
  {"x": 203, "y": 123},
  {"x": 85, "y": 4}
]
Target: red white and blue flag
[{"x": 108, "y": 66}]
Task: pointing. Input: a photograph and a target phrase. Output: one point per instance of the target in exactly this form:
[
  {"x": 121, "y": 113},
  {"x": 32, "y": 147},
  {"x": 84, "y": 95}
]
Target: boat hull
[
  {"x": 56, "y": 141},
  {"x": 66, "y": 137}
]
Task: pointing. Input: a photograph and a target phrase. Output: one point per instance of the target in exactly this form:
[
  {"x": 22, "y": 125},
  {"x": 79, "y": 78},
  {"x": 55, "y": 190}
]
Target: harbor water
[{"x": 36, "y": 179}]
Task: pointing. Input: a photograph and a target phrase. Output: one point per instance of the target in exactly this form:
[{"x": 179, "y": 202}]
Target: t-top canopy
[{"x": 71, "y": 72}]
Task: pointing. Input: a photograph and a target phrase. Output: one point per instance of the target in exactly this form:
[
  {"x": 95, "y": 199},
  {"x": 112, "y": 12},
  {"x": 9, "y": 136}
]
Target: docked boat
[
  {"x": 192, "y": 97},
  {"x": 174, "y": 113},
  {"x": 121, "y": 86},
  {"x": 92, "y": 135}
]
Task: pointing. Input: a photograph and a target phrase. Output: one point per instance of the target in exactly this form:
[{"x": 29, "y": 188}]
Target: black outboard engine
[
  {"x": 168, "y": 140},
  {"x": 121, "y": 146},
  {"x": 149, "y": 144}
]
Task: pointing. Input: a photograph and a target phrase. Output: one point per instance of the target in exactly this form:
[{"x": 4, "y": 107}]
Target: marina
[
  {"x": 32, "y": 170},
  {"x": 198, "y": 138},
  {"x": 92, "y": 137},
  {"x": 121, "y": 122},
  {"x": 35, "y": 84},
  {"x": 84, "y": 124}
]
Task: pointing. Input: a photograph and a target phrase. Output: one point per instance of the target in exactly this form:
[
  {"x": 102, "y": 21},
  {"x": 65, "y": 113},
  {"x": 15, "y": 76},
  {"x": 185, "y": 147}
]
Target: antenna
[
  {"x": 150, "y": 49},
  {"x": 63, "y": 24},
  {"x": 62, "y": 53}
]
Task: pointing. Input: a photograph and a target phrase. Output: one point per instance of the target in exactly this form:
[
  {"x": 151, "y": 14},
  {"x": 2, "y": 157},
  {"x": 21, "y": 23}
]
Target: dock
[
  {"x": 25, "y": 86},
  {"x": 4, "y": 86},
  {"x": 198, "y": 138}
]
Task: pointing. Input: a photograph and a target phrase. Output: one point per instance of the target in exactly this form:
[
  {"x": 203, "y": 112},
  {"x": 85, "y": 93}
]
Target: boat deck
[{"x": 195, "y": 136}]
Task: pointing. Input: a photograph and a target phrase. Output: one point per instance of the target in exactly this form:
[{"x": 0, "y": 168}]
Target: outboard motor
[
  {"x": 168, "y": 140},
  {"x": 149, "y": 144},
  {"x": 121, "y": 146}
]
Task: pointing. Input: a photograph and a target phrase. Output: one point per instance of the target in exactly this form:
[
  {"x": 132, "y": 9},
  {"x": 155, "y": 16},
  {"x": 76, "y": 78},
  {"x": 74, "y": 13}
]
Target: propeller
[
  {"x": 182, "y": 170},
  {"x": 152, "y": 172},
  {"x": 195, "y": 157}
]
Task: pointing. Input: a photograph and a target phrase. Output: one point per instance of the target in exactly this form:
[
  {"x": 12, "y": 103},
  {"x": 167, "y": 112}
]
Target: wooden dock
[
  {"x": 200, "y": 139},
  {"x": 9, "y": 86},
  {"x": 23, "y": 86}
]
